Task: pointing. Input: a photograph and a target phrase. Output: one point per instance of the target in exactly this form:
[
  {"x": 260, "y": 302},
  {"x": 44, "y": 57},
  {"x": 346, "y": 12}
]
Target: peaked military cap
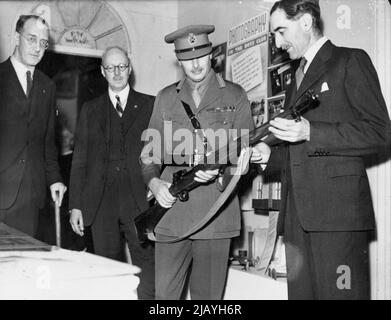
[{"x": 191, "y": 41}]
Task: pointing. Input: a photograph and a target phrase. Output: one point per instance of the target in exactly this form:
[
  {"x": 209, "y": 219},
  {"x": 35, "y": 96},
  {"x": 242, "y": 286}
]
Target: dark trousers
[
  {"x": 207, "y": 260},
  {"x": 325, "y": 265},
  {"x": 113, "y": 226},
  {"x": 23, "y": 214}
]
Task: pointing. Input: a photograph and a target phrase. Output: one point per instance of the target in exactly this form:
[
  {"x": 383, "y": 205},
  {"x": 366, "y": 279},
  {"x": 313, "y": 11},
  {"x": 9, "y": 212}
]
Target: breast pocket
[
  {"x": 175, "y": 122},
  {"x": 178, "y": 135},
  {"x": 222, "y": 119}
]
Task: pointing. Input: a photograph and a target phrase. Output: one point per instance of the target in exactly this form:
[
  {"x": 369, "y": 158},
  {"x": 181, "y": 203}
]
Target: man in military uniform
[{"x": 216, "y": 104}]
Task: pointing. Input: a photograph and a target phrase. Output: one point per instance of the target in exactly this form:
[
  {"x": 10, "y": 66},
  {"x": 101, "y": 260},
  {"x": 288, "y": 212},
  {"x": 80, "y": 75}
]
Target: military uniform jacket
[{"x": 224, "y": 106}]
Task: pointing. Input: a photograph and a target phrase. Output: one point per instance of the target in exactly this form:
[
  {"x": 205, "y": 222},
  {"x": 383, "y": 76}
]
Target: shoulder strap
[
  {"x": 194, "y": 121},
  {"x": 216, "y": 206}
]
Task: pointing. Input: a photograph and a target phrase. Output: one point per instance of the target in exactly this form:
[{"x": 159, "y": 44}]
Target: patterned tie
[
  {"x": 300, "y": 72},
  {"x": 29, "y": 83},
  {"x": 118, "y": 106}
]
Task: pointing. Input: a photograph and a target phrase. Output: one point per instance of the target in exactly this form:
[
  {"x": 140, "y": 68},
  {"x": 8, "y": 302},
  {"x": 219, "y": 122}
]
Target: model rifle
[{"x": 183, "y": 180}]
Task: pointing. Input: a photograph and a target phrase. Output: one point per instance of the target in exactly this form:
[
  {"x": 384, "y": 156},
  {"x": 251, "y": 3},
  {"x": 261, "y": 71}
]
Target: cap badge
[{"x": 191, "y": 38}]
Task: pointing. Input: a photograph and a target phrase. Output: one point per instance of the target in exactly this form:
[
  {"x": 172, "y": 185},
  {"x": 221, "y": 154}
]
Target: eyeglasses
[
  {"x": 111, "y": 68},
  {"x": 33, "y": 40}
]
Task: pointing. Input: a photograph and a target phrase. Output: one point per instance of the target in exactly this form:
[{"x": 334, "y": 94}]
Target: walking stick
[{"x": 58, "y": 221}]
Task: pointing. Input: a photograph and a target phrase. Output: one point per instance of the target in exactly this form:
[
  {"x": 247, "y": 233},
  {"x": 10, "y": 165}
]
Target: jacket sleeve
[
  {"x": 79, "y": 160},
  {"x": 51, "y": 153},
  {"x": 370, "y": 131},
  {"x": 151, "y": 156},
  {"x": 243, "y": 120}
]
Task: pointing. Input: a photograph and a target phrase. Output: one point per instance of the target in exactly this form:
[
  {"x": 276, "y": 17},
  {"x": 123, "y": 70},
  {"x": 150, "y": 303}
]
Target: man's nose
[
  {"x": 278, "y": 40},
  {"x": 196, "y": 63},
  {"x": 116, "y": 70},
  {"x": 37, "y": 46}
]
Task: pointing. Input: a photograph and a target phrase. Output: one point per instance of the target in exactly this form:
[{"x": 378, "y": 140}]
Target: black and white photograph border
[{"x": 79, "y": 33}]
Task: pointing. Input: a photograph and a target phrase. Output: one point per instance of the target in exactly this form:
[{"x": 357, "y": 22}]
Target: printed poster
[{"x": 246, "y": 65}]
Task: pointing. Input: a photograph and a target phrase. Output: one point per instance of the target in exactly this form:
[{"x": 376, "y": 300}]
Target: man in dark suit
[
  {"x": 327, "y": 209},
  {"x": 106, "y": 186},
  {"x": 28, "y": 156}
]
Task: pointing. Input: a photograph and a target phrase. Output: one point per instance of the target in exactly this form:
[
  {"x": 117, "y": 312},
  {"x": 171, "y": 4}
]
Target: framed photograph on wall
[
  {"x": 274, "y": 106},
  {"x": 258, "y": 111},
  {"x": 287, "y": 78},
  {"x": 275, "y": 82},
  {"x": 219, "y": 57}
]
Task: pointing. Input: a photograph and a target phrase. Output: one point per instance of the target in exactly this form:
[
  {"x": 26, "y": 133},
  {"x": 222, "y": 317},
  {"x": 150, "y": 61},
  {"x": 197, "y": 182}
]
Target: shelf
[
  {"x": 267, "y": 204},
  {"x": 277, "y": 96},
  {"x": 274, "y": 66}
]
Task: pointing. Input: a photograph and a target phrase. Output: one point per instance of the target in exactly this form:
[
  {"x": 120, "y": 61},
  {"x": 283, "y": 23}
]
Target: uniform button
[
  {"x": 117, "y": 169},
  {"x": 135, "y": 106}
]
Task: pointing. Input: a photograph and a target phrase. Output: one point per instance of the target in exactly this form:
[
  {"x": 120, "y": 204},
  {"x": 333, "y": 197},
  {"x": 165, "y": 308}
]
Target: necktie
[
  {"x": 300, "y": 72},
  {"x": 118, "y": 106},
  {"x": 196, "y": 96},
  {"x": 29, "y": 83}
]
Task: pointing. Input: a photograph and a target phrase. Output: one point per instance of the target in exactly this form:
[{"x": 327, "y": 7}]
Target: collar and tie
[
  {"x": 29, "y": 81},
  {"x": 300, "y": 72},
  {"x": 196, "y": 96},
  {"x": 118, "y": 106}
]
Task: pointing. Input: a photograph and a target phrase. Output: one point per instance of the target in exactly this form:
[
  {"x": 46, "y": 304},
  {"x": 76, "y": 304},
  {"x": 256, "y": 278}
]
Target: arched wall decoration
[{"x": 83, "y": 27}]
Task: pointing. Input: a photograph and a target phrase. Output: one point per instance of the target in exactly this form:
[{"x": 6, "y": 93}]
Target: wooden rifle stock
[{"x": 183, "y": 180}]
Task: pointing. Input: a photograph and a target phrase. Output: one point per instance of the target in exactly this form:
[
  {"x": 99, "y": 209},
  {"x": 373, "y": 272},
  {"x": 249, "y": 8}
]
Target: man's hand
[
  {"x": 242, "y": 165},
  {"x": 61, "y": 189},
  {"x": 205, "y": 176},
  {"x": 160, "y": 190},
  {"x": 260, "y": 153},
  {"x": 290, "y": 130},
  {"x": 76, "y": 221}
]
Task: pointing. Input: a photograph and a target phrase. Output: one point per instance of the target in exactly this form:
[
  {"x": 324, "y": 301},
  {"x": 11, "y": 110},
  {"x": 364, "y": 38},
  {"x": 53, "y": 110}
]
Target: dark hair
[
  {"x": 23, "y": 18},
  {"x": 294, "y": 9}
]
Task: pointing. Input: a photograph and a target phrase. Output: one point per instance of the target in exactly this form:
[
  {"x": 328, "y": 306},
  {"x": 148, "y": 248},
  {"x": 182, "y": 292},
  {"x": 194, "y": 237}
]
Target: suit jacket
[
  {"x": 225, "y": 106},
  {"x": 88, "y": 174},
  {"x": 27, "y": 137},
  {"x": 327, "y": 177}
]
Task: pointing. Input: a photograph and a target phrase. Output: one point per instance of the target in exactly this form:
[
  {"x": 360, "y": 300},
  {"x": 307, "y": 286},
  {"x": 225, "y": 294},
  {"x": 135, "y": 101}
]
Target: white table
[
  {"x": 252, "y": 285},
  {"x": 65, "y": 274}
]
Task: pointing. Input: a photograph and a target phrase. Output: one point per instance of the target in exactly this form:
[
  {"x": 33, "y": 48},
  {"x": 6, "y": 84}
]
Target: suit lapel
[
  {"x": 212, "y": 94},
  {"x": 103, "y": 114},
  {"x": 132, "y": 110},
  {"x": 11, "y": 86},
  {"x": 184, "y": 95},
  {"x": 38, "y": 91},
  {"x": 316, "y": 69}
]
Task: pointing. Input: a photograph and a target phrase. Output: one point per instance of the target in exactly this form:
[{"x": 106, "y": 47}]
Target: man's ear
[
  {"x": 103, "y": 72},
  {"x": 17, "y": 38},
  {"x": 306, "y": 22}
]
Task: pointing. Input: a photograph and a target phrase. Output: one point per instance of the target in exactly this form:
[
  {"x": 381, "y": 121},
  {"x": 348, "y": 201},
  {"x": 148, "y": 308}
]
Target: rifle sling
[
  {"x": 211, "y": 213},
  {"x": 195, "y": 123}
]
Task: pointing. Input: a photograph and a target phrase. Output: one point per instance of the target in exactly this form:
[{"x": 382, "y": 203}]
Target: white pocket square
[{"x": 324, "y": 87}]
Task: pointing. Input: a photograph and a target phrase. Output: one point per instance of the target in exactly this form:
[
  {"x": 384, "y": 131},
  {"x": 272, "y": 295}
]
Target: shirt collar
[
  {"x": 21, "y": 68},
  {"x": 123, "y": 95},
  {"x": 313, "y": 50}
]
